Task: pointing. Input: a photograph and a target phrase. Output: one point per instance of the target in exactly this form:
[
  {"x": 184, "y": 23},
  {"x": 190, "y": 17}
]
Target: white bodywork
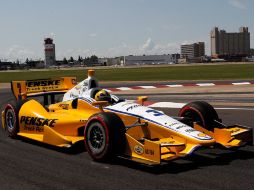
[
  {"x": 156, "y": 117},
  {"x": 83, "y": 91}
]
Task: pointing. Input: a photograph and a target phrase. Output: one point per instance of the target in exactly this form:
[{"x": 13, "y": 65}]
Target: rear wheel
[
  {"x": 104, "y": 136},
  {"x": 11, "y": 120},
  {"x": 201, "y": 112}
]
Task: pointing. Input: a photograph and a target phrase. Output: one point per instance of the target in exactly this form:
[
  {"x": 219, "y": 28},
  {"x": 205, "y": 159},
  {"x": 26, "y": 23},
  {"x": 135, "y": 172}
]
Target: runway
[{"x": 29, "y": 165}]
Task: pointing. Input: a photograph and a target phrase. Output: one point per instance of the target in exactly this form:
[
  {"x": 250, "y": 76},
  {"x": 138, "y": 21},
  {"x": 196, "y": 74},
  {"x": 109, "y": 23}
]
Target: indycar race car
[{"x": 111, "y": 126}]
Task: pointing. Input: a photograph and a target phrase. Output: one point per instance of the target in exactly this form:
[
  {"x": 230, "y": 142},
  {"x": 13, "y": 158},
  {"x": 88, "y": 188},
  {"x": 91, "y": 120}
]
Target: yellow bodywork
[{"x": 60, "y": 126}]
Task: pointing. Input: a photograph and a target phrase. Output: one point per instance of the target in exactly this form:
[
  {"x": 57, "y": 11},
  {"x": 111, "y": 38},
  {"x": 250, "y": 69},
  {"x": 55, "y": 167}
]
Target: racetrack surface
[{"x": 26, "y": 164}]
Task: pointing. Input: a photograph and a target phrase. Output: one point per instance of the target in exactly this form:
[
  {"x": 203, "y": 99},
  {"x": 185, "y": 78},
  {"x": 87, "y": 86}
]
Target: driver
[{"x": 103, "y": 95}]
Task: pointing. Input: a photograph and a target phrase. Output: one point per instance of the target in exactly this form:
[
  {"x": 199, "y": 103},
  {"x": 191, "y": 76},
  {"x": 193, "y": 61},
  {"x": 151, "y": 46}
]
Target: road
[{"x": 26, "y": 164}]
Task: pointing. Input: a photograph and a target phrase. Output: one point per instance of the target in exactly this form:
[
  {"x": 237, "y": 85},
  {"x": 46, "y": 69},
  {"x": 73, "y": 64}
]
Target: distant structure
[
  {"x": 192, "y": 52},
  {"x": 6, "y": 65},
  {"x": 150, "y": 59},
  {"x": 230, "y": 46},
  {"x": 50, "y": 55}
]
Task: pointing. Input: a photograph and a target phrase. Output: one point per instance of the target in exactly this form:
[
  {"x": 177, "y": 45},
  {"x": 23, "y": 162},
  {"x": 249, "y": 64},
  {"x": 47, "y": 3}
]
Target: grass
[{"x": 197, "y": 72}]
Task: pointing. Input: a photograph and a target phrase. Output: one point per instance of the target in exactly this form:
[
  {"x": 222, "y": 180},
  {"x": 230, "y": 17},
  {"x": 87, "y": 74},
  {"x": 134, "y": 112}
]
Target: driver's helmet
[{"x": 102, "y": 95}]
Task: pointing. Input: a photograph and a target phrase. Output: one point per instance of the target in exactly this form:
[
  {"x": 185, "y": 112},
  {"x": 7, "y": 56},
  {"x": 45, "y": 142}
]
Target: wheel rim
[
  {"x": 96, "y": 137},
  {"x": 10, "y": 119}
]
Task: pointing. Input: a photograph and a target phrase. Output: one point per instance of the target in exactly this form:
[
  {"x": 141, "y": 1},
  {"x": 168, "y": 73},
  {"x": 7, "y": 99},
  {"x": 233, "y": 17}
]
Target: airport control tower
[{"x": 50, "y": 55}]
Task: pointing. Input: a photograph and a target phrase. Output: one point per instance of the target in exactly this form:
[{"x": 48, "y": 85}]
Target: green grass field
[{"x": 197, "y": 72}]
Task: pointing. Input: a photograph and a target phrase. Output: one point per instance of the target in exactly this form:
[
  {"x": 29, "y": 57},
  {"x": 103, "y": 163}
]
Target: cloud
[
  {"x": 148, "y": 45},
  {"x": 240, "y": 4},
  {"x": 67, "y": 53},
  {"x": 18, "y": 52}
]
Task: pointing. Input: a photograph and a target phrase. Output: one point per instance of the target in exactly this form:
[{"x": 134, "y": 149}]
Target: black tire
[
  {"x": 201, "y": 112},
  {"x": 104, "y": 136},
  {"x": 11, "y": 120}
]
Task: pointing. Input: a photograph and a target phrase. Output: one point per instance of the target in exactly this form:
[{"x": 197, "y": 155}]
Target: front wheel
[
  {"x": 201, "y": 112},
  {"x": 104, "y": 136}
]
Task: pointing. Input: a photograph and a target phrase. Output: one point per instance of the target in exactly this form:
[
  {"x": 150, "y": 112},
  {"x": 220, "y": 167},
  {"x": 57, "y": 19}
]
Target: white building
[{"x": 151, "y": 59}]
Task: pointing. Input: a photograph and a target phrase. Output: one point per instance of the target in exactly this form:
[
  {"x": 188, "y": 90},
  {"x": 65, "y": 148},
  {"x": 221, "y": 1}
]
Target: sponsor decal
[
  {"x": 82, "y": 120},
  {"x": 43, "y": 85},
  {"x": 74, "y": 81},
  {"x": 78, "y": 87},
  {"x": 73, "y": 95},
  {"x": 155, "y": 112},
  {"x": 201, "y": 135},
  {"x": 149, "y": 151},
  {"x": 132, "y": 107},
  {"x": 138, "y": 149},
  {"x": 85, "y": 83},
  {"x": 37, "y": 121},
  {"x": 125, "y": 104},
  {"x": 180, "y": 127},
  {"x": 169, "y": 142},
  {"x": 190, "y": 130},
  {"x": 64, "y": 106},
  {"x": 34, "y": 128}
]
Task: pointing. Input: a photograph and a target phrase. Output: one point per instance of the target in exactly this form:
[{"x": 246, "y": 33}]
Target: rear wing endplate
[{"x": 24, "y": 89}]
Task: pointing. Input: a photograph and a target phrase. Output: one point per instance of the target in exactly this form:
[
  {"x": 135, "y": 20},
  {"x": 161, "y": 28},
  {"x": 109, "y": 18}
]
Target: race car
[{"x": 111, "y": 126}]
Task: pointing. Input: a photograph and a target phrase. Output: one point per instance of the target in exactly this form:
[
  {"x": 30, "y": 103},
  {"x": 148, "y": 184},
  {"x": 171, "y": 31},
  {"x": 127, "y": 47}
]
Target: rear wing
[{"x": 24, "y": 89}]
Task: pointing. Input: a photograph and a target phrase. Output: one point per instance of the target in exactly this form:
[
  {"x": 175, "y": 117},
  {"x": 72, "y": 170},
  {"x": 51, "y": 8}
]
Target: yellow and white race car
[{"x": 111, "y": 126}]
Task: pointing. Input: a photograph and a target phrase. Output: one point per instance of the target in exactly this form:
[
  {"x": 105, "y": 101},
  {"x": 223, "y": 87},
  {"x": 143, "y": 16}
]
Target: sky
[{"x": 110, "y": 28}]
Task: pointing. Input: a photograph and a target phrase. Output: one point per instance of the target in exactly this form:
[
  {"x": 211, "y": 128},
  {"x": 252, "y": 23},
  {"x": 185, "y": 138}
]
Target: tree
[
  {"x": 71, "y": 59},
  {"x": 65, "y": 61},
  {"x": 94, "y": 59},
  {"x": 80, "y": 59}
]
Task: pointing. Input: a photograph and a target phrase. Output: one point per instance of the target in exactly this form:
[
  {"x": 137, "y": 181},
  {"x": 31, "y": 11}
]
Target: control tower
[{"x": 49, "y": 49}]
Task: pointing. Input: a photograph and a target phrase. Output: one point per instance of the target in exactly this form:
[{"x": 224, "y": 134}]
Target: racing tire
[
  {"x": 11, "y": 120},
  {"x": 201, "y": 112},
  {"x": 11, "y": 117},
  {"x": 105, "y": 136}
]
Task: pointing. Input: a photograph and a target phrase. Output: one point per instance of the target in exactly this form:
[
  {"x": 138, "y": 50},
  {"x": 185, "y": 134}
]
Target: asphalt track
[{"x": 26, "y": 164}]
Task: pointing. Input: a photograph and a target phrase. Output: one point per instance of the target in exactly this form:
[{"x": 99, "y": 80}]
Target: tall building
[
  {"x": 193, "y": 50},
  {"x": 50, "y": 55},
  {"x": 230, "y": 45}
]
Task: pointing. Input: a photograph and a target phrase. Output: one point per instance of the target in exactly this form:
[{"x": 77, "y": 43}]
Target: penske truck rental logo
[
  {"x": 36, "y": 123},
  {"x": 43, "y": 85}
]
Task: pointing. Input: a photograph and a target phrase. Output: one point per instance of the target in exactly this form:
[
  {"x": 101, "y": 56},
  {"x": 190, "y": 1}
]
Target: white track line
[
  {"x": 205, "y": 84},
  {"x": 147, "y": 87},
  {"x": 241, "y": 83},
  {"x": 124, "y": 88},
  {"x": 175, "y": 85}
]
